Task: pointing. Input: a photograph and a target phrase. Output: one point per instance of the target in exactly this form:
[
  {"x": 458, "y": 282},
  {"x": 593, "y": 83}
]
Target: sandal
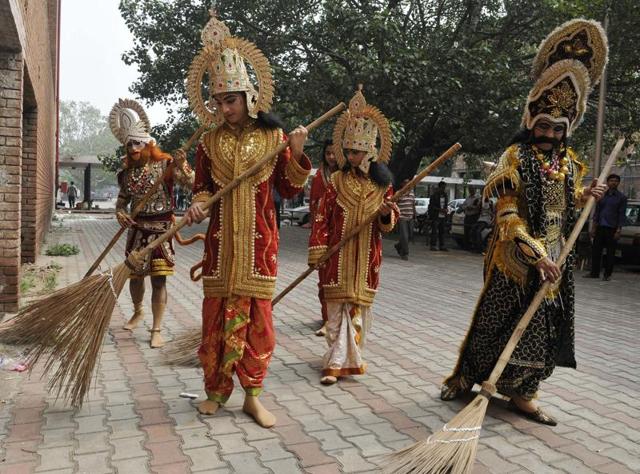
[
  {"x": 537, "y": 416},
  {"x": 450, "y": 392}
]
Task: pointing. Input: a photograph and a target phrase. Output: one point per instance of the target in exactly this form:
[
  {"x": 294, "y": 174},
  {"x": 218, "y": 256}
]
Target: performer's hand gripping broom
[
  {"x": 68, "y": 326},
  {"x": 452, "y": 450},
  {"x": 183, "y": 350}
]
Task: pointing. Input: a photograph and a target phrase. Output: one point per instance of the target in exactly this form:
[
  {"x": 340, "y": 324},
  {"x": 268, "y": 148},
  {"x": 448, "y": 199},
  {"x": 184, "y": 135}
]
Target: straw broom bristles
[
  {"x": 183, "y": 350},
  {"x": 67, "y": 328},
  {"x": 451, "y": 450}
]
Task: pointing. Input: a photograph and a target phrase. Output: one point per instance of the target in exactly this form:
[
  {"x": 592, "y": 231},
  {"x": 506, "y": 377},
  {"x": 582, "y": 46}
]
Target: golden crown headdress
[
  {"x": 124, "y": 124},
  {"x": 358, "y": 128},
  {"x": 224, "y": 58},
  {"x": 559, "y": 95},
  {"x": 579, "y": 39}
]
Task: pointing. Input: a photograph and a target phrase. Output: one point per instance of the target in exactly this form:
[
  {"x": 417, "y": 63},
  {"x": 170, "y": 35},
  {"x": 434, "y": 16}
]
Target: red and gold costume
[
  {"x": 319, "y": 187},
  {"x": 137, "y": 177},
  {"x": 144, "y": 167},
  {"x": 350, "y": 277},
  {"x": 241, "y": 246},
  {"x": 157, "y": 215}
]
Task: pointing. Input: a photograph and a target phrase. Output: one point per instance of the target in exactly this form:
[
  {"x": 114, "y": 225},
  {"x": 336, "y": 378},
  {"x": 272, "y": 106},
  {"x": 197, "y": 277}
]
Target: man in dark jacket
[
  {"x": 607, "y": 224},
  {"x": 437, "y": 211}
]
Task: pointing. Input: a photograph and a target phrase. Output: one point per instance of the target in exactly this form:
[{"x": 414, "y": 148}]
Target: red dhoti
[{"x": 237, "y": 336}]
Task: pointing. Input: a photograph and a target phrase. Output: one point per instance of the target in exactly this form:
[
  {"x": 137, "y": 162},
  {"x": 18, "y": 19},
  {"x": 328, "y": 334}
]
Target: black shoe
[
  {"x": 444, "y": 249},
  {"x": 433, "y": 248},
  {"x": 589, "y": 275},
  {"x": 538, "y": 416},
  {"x": 404, "y": 257},
  {"x": 606, "y": 278},
  {"x": 449, "y": 393}
]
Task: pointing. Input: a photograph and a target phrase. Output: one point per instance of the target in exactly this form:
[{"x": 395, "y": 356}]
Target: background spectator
[{"x": 607, "y": 224}]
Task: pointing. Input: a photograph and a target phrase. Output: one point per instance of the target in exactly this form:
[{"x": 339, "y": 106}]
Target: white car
[
  {"x": 422, "y": 204},
  {"x": 299, "y": 215}
]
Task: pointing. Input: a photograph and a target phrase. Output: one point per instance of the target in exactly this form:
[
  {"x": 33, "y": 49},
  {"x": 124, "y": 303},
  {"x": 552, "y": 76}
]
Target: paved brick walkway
[{"x": 135, "y": 422}]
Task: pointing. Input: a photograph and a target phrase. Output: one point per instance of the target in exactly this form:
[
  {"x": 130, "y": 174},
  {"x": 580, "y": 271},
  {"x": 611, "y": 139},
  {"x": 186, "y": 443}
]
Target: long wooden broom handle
[
  {"x": 238, "y": 179},
  {"x": 143, "y": 202},
  {"x": 356, "y": 230},
  {"x": 542, "y": 292}
]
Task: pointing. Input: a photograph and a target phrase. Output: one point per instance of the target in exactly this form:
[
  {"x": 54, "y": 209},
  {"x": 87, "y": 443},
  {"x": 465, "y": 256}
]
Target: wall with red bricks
[
  {"x": 11, "y": 72},
  {"x": 28, "y": 46}
]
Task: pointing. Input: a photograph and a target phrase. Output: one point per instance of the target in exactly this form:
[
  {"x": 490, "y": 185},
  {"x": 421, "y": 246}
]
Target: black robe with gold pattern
[{"x": 533, "y": 218}]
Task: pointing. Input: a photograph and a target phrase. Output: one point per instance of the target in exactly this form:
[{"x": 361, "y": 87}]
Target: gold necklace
[{"x": 552, "y": 169}]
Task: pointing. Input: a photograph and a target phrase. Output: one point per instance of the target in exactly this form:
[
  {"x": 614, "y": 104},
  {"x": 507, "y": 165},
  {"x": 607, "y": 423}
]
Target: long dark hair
[
  {"x": 269, "y": 120},
  {"x": 325, "y": 145},
  {"x": 378, "y": 172}
]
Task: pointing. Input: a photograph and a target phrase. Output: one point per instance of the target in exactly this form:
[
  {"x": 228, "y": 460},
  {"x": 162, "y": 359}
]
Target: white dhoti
[{"x": 347, "y": 327}]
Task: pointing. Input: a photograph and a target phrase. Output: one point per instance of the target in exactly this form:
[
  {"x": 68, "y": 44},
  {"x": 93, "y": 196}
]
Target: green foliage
[
  {"x": 27, "y": 282},
  {"x": 84, "y": 130},
  {"x": 50, "y": 281},
  {"x": 37, "y": 280},
  {"x": 441, "y": 70},
  {"x": 62, "y": 250}
]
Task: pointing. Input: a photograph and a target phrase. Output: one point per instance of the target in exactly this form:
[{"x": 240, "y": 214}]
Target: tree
[
  {"x": 441, "y": 70},
  {"x": 85, "y": 131}
]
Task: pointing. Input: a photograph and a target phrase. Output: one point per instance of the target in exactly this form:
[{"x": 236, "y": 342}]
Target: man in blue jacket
[{"x": 607, "y": 224}]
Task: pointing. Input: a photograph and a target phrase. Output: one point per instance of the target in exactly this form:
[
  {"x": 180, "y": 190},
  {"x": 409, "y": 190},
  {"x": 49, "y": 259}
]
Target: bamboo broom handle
[
  {"x": 540, "y": 295},
  {"x": 238, "y": 179},
  {"x": 355, "y": 231},
  {"x": 143, "y": 202}
]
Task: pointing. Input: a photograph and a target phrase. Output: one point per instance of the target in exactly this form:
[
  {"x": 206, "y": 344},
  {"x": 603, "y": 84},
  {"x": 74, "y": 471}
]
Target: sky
[{"x": 93, "y": 37}]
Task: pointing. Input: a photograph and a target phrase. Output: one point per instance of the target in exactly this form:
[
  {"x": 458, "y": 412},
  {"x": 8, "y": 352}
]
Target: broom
[
  {"x": 68, "y": 326},
  {"x": 453, "y": 448},
  {"x": 183, "y": 351},
  {"x": 24, "y": 334},
  {"x": 143, "y": 202}
]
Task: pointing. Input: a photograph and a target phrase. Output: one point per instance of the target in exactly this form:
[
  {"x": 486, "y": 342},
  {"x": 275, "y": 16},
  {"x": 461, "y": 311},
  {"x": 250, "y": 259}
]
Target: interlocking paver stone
[{"x": 135, "y": 421}]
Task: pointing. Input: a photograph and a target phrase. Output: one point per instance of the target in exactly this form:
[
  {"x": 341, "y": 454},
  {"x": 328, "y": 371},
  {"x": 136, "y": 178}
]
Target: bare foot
[
  {"x": 259, "y": 413},
  {"x": 156, "y": 339},
  {"x": 208, "y": 407},
  {"x": 134, "y": 321},
  {"x": 322, "y": 331}
]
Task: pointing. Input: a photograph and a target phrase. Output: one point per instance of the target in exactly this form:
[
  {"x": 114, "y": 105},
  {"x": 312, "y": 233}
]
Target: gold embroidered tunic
[
  {"x": 352, "y": 274},
  {"x": 241, "y": 246}
]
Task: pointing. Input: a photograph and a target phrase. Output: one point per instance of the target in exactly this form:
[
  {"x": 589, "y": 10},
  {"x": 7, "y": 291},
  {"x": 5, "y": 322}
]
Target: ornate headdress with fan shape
[
  {"x": 126, "y": 126},
  {"x": 559, "y": 95},
  {"x": 569, "y": 62},
  {"x": 224, "y": 58},
  {"x": 358, "y": 128},
  {"x": 579, "y": 39}
]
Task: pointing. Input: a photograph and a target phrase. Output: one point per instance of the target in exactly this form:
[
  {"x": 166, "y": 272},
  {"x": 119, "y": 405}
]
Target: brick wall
[
  {"x": 28, "y": 48},
  {"x": 29, "y": 196},
  {"x": 11, "y": 84}
]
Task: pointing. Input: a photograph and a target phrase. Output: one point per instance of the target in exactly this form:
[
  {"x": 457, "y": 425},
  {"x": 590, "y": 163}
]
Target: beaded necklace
[{"x": 552, "y": 167}]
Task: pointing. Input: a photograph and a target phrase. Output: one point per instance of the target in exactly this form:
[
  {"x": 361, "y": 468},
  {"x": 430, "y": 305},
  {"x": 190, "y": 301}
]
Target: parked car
[
  {"x": 457, "y": 227},
  {"x": 297, "y": 215},
  {"x": 628, "y": 248},
  {"x": 454, "y": 205},
  {"x": 422, "y": 204}
]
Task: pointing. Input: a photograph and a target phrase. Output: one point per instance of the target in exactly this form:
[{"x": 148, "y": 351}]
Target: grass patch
[
  {"x": 27, "y": 282},
  {"x": 62, "y": 250},
  {"x": 36, "y": 281}
]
